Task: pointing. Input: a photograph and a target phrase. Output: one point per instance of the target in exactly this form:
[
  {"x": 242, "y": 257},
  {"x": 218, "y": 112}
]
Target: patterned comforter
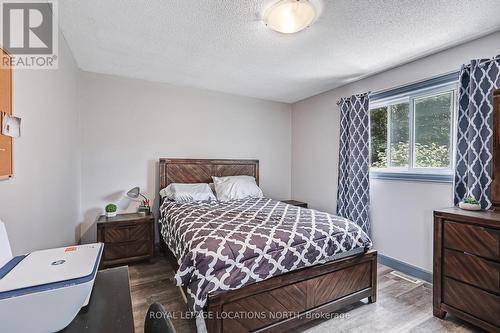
[{"x": 226, "y": 245}]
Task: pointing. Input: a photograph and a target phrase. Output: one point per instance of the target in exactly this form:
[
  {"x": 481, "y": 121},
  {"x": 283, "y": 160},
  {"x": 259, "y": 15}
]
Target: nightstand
[
  {"x": 295, "y": 203},
  {"x": 126, "y": 237}
]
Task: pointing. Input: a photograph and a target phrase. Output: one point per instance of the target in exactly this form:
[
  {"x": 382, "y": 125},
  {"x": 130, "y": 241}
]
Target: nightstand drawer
[
  {"x": 473, "y": 270},
  {"x": 124, "y": 233},
  {"x": 126, "y": 250},
  {"x": 472, "y": 239}
]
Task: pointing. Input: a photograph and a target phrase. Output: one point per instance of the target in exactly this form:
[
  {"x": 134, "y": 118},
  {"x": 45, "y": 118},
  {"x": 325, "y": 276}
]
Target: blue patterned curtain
[
  {"x": 353, "y": 195},
  {"x": 474, "y": 130}
]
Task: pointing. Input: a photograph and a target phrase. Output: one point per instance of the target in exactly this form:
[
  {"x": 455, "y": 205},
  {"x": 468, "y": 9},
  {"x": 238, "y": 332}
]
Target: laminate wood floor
[{"x": 402, "y": 306}]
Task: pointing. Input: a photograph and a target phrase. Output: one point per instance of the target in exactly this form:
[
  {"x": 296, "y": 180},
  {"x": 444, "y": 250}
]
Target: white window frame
[{"x": 411, "y": 172}]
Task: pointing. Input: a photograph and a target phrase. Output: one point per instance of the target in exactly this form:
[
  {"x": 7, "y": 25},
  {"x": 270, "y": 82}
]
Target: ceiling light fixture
[{"x": 290, "y": 16}]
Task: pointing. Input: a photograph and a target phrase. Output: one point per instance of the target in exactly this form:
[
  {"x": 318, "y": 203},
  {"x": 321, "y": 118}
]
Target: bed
[{"x": 259, "y": 264}]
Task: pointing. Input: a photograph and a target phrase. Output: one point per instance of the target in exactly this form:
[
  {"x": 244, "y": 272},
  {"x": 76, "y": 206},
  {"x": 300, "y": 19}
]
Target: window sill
[{"x": 413, "y": 177}]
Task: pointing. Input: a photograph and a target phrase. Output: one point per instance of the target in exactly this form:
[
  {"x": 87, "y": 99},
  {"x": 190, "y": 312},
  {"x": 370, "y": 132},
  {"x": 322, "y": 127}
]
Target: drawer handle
[
  {"x": 119, "y": 227},
  {"x": 123, "y": 227},
  {"x": 469, "y": 254}
]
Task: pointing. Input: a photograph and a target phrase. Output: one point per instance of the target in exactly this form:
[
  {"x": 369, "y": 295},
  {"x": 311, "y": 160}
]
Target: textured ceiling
[{"x": 223, "y": 45}]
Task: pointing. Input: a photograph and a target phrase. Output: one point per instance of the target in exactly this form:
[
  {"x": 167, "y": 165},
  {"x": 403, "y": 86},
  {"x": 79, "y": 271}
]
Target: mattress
[{"x": 227, "y": 245}]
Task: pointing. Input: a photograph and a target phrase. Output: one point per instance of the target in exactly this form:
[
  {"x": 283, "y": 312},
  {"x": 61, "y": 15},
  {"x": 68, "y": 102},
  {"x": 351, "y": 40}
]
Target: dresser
[
  {"x": 126, "y": 237},
  {"x": 467, "y": 266}
]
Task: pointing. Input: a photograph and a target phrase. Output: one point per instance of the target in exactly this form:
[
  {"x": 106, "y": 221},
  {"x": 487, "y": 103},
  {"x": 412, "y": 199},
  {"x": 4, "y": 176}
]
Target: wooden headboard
[{"x": 179, "y": 170}]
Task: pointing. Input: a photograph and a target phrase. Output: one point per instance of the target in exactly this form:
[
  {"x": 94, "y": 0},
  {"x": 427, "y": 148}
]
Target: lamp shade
[{"x": 134, "y": 193}]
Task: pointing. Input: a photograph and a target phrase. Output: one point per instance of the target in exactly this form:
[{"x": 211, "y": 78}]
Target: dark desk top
[{"x": 110, "y": 306}]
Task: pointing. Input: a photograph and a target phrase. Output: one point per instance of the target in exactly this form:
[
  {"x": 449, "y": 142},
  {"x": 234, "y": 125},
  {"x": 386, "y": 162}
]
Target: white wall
[
  {"x": 40, "y": 205},
  {"x": 127, "y": 125},
  {"x": 401, "y": 211}
]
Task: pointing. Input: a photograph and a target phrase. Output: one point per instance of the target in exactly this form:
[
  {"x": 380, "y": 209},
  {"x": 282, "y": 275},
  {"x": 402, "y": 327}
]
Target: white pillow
[
  {"x": 181, "y": 192},
  {"x": 236, "y": 187}
]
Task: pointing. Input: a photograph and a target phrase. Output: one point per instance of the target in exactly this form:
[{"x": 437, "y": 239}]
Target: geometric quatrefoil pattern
[
  {"x": 353, "y": 194},
  {"x": 226, "y": 245},
  {"x": 473, "y": 165}
]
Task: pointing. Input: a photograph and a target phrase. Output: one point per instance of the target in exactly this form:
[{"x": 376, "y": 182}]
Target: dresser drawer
[
  {"x": 126, "y": 250},
  {"x": 473, "y": 270},
  {"x": 471, "y": 300},
  {"x": 130, "y": 232},
  {"x": 114, "y": 251},
  {"x": 472, "y": 239}
]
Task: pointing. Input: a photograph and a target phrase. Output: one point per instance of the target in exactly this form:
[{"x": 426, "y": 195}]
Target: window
[{"x": 412, "y": 131}]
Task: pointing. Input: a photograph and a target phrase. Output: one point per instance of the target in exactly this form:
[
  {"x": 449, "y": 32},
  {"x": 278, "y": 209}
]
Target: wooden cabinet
[
  {"x": 126, "y": 237},
  {"x": 5, "y": 106},
  {"x": 467, "y": 266}
]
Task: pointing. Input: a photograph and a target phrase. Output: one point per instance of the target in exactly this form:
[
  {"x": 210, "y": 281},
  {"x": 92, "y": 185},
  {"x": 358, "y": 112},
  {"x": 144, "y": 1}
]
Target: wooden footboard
[{"x": 285, "y": 301}]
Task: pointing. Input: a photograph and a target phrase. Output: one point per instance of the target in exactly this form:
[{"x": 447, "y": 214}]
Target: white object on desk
[
  {"x": 44, "y": 290},
  {"x": 5, "y": 252}
]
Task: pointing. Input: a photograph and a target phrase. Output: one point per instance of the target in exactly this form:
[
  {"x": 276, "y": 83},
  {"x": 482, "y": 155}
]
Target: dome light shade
[{"x": 290, "y": 16}]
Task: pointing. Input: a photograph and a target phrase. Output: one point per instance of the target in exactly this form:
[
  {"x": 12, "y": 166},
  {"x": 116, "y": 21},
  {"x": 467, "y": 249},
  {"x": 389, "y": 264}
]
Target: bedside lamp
[
  {"x": 145, "y": 206},
  {"x": 135, "y": 193}
]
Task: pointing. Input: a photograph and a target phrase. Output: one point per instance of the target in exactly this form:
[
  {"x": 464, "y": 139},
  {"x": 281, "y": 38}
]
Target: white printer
[{"x": 44, "y": 290}]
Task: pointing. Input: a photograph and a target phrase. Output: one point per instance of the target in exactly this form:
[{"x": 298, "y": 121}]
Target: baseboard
[{"x": 403, "y": 267}]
